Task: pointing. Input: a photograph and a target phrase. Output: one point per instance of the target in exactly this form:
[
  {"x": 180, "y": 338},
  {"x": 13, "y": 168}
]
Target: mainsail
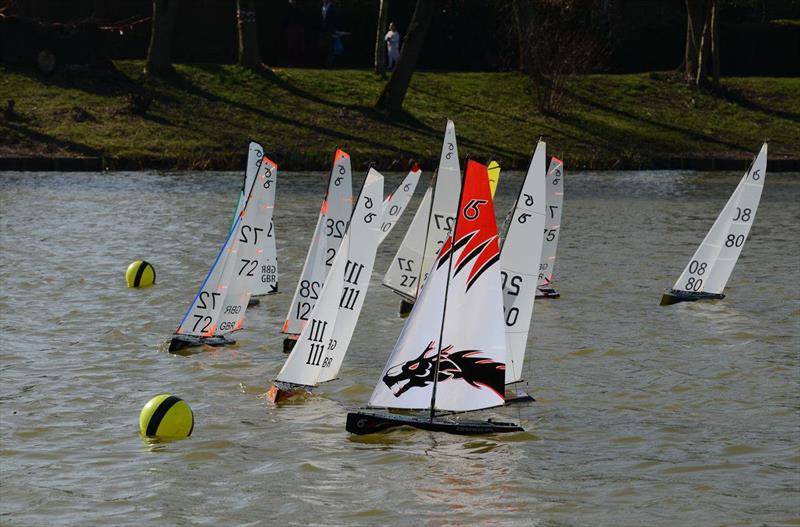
[
  {"x": 555, "y": 203},
  {"x": 451, "y": 353},
  {"x": 397, "y": 201},
  {"x": 328, "y": 233},
  {"x": 219, "y": 306},
  {"x": 318, "y": 354},
  {"x": 431, "y": 225},
  {"x": 711, "y": 266},
  {"x": 519, "y": 261}
]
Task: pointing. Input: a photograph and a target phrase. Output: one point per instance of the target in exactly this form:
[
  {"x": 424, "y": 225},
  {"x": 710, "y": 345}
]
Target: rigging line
[
  {"x": 447, "y": 287},
  {"x": 427, "y": 232}
]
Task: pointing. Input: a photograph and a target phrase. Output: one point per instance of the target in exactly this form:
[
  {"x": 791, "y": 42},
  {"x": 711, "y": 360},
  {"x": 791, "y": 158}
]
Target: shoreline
[{"x": 231, "y": 163}]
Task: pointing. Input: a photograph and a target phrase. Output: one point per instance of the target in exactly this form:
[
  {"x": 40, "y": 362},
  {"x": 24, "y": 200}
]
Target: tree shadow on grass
[
  {"x": 40, "y": 138},
  {"x": 697, "y": 136}
]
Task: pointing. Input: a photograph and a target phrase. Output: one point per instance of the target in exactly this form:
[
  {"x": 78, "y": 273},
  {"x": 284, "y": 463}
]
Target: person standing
[
  {"x": 327, "y": 32},
  {"x": 392, "y": 46}
]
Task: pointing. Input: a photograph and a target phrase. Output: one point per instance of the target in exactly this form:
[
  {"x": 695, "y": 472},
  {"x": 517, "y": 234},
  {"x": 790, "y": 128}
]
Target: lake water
[{"x": 645, "y": 415}]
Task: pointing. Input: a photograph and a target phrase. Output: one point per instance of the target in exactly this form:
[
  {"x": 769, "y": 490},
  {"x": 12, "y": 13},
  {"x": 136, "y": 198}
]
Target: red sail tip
[
  {"x": 341, "y": 153},
  {"x": 270, "y": 161}
]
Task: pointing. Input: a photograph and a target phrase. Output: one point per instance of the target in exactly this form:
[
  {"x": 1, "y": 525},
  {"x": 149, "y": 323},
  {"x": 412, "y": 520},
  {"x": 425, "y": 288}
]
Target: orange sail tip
[
  {"x": 557, "y": 160},
  {"x": 270, "y": 161},
  {"x": 238, "y": 325},
  {"x": 341, "y": 153},
  {"x": 285, "y": 326},
  {"x": 324, "y": 208}
]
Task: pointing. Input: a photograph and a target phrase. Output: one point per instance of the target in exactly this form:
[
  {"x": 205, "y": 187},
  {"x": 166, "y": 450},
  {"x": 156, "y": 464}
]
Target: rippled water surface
[{"x": 645, "y": 415}]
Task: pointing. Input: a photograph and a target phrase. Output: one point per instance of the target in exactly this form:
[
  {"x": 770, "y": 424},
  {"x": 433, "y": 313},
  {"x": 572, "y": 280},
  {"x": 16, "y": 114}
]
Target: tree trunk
[
  {"x": 715, "y": 44},
  {"x": 702, "y": 41},
  {"x": 521, "y": 29},
  {"x": 380, "y": 41},
  {"x": 249, "y": 55},
  {"x": 393, "y": 94},
  {"x": 159, "y": 54}
]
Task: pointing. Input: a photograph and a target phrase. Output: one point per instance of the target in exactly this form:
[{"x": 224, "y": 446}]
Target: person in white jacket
[{"x": 392, "y": 46}]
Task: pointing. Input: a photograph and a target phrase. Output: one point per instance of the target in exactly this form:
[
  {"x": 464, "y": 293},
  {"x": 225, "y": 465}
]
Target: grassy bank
[{"x": 204, "y": 118}]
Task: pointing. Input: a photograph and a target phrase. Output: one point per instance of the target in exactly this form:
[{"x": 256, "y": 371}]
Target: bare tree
[
  {"x": 394, "y": 92},
  {"x": 702, "y": 42},
  {"x": 249, "y": 55},
  {"x": 556, "y": 39},
  {"x": 159, "y": 54},
  {"x": 380, "y": 42}
]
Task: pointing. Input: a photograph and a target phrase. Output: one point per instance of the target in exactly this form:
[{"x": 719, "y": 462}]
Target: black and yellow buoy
[
  {"x": 166, "y": 416},
  {"x": 140, "y": 274}
]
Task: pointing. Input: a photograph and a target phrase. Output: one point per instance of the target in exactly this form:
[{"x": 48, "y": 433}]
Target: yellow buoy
[
  {"x": 166, "y": 416},
  {"x": 140, "y": 274}
]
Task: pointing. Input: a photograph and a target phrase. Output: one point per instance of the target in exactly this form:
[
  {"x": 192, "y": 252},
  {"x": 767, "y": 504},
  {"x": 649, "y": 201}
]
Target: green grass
[{"x": 205, "y": 117}]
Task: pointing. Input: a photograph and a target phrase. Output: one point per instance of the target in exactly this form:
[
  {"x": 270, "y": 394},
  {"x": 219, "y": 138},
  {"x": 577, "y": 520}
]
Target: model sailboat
[
  {"x": 555, "y": 203},
  {"x": 318, "y": 354},
  {"x": 267, "y": 272},
  {"x": 328, "y": 233},
  {"x": 519, "y": 268},
  {"x": 431, "y": 225},
  {"x": 397, "y": 201},
  {"x": 708, "y": 271},
  {"x": 451, "y": 354},
  {"x": 218, "y": 307}
]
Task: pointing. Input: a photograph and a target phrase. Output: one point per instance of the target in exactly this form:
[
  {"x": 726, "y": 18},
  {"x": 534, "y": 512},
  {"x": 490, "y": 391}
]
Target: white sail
[
  {"x": 445, "y": 200},
  {"x": 364, "y": 234},
  {"x": 218, "y": 307},
  {"x": 519, "y": 261},
  {"x": 267, "y": 282},
  {"x": 403, "y": 274},
  {"x": 468, "y": 364},
  {"x": 431, "y": 225},
  {"x": 396, "y": 203},
  {"x": 254, "y": 155},
  {"x": 331, "y": 226},
  {"x": 555, "y": 203},
  {"x": 713, "y": 262},
  {"x": 318, "y": 353}
]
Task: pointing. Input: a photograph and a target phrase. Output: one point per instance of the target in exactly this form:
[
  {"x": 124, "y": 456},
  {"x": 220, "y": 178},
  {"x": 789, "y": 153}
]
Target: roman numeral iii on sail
[{"x": 318, "y": 354}]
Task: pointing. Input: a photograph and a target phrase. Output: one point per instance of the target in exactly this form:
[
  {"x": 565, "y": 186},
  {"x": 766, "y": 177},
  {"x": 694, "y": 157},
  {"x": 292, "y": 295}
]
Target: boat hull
[
  {"x": 180, "y": 342},
  {"x": 289, "y": 342},
  {"x": 674, "y": 296},
  {"x": 362, "y": 423},
  {"x": 547, "y": 292},
  {"x": 517, "y": 396},
  {"x": 405, "y": 308},
  {"x": 282, "y": 391}
]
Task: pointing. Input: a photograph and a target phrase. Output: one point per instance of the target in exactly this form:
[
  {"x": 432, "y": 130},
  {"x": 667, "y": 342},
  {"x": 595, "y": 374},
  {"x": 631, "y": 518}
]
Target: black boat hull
[
  {"x": 289, "y": 342},
  {"x": 547, "y": 292},
  {"x": 405, "y": 308},
  {"x": 362, "y": 423},
  {"x": 674, "y": 296},
  {"x": 180, "y": 342}
]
